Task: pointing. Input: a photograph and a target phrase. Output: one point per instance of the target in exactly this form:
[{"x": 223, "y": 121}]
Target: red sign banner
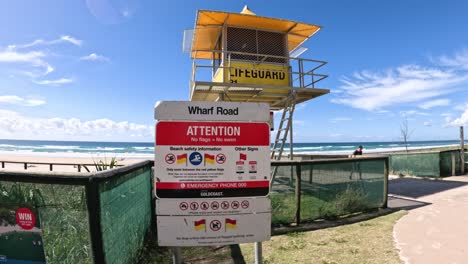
[{"x": 171, "y": 133}]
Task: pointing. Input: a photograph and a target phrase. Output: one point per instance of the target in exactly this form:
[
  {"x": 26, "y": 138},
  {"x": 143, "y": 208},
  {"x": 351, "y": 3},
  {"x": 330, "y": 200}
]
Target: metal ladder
[{"x": 285, "y": 129}]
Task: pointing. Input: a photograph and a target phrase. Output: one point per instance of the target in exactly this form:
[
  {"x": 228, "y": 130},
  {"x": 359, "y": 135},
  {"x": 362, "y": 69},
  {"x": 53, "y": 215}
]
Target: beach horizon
[{"x": 75, "y": 152}]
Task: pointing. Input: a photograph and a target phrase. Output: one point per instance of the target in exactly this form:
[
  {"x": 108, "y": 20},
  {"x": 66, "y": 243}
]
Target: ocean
[{"x": 146, "y": 150}]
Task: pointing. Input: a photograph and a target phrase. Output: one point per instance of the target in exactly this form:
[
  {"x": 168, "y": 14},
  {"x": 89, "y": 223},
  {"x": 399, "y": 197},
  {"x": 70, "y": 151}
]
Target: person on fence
[
  {"x": 358, "y": 151},
  {"x": 357, "y": 166}
]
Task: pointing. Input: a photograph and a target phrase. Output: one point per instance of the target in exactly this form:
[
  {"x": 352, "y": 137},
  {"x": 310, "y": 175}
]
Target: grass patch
[{"x": 365, "y": 242}]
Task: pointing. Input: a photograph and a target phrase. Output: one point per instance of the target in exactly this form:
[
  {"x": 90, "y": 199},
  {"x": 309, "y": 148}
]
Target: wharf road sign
[
  {"x": 212, "y": 159},
  {"x": 212, "y": 111}
]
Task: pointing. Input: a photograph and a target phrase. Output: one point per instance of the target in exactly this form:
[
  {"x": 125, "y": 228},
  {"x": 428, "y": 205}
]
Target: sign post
[{"x": 212, "y": 173}]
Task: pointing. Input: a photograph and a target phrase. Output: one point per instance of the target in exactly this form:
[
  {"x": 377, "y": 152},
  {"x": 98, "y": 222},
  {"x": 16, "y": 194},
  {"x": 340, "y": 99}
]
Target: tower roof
[
  {"x": 209, "y": 24},
  {"x": 247, "y": 11}
]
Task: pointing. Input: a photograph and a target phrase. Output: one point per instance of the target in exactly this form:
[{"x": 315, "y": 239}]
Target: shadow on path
[
  {"x": 416, "y": 188},
  {"x": 400, "y": 203}
]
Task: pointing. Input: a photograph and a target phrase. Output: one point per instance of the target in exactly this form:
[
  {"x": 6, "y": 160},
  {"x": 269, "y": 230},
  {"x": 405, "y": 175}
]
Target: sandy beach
[{"x": 58, "y": 158}]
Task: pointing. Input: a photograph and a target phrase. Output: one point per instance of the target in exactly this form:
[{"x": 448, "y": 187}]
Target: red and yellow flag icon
[
  {"x": 209, "y": 158},
  {"x": 182, "y": 158},
  {"x": 199, "y": 225},
  {"x": 230, "y": 223}
]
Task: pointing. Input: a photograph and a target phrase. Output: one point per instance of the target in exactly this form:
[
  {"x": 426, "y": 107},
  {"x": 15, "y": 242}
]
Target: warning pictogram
[
  {"x": 215, "y": 225},
  {"x": 220, "y": 158},
  {"x": 183, "y": 206},
  {"x": 225, "y": 205},
  {"x": 235, "y": 204},
  {"x": 214, "y": 205},
  {"x": 194, "y": 206},
  {"x": 245, "y": 204},
  {"x": 170, "y": 158},
  {"x": 204, "y": 206}
]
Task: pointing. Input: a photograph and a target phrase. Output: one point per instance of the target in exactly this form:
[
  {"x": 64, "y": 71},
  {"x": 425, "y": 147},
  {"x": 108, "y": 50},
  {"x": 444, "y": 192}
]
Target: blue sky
[{"x": 93, "y": 69}]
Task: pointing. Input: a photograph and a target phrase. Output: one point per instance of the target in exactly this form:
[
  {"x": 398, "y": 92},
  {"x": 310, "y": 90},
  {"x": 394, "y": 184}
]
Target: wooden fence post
[
  {"x": 311, "y": 174},
  {"x": 462, "y": 152},
  {"x": 453, "y": 163},
  {"x": 298, "y": 194}
]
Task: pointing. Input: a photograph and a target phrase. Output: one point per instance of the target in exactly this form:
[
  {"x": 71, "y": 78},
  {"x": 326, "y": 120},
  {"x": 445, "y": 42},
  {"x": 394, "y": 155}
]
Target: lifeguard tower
[{"x": 242, "y": 57}]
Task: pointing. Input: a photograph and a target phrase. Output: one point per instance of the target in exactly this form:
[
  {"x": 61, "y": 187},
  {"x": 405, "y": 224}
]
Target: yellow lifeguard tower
[{"x": 242, "y": 57}]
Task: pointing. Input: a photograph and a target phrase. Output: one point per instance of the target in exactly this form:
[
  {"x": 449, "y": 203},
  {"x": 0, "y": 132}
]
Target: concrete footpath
[{"x": 435, "y": 230}]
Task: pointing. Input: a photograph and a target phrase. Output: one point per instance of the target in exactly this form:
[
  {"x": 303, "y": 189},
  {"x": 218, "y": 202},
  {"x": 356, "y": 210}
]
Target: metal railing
[
  {"x": 302, "y": 72},
  {"x": 26, "y": 164}
]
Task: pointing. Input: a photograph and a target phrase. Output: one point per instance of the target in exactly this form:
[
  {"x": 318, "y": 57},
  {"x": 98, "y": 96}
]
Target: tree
[{"x": 405, "y": 132}]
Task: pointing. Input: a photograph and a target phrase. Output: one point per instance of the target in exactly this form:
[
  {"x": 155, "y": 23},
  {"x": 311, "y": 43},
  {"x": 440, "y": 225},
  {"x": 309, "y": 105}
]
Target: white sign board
[{"x": 212, "y": 171}]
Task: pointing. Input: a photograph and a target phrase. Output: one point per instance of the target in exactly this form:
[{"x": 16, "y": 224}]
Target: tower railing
[{"x": 302, "y": 72}]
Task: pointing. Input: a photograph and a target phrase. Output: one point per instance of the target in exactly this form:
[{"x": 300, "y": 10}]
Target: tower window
[{"x": 255, "y": 45}]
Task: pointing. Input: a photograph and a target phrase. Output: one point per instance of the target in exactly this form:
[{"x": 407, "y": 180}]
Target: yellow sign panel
[{"x": 250, "y": 73}]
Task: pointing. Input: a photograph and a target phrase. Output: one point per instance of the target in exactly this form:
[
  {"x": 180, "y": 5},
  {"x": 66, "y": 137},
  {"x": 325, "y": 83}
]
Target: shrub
[{"x": 352, "y": 200}]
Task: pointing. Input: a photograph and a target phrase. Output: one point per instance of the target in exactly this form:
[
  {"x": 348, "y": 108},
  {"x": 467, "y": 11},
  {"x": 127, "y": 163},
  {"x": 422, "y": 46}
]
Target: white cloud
[
  {"x": 300, "y": 107},
  {"x": 460, "y": 121},
  {"x": 16, "y": 100},
  {"x": 383, "y": 112},
  {"x": 94, "y": 57},
  {"x": 428, "y": 123},
  {"x": 9, "y": 113},
  {"x": 434, "y": 103},
  {"x": 404, "y": 84},
  {"x": 459, "y": 61},
  {"x": 57, "y": 82},
  {"x": 32, "y": 58},
  {"x": 28, "y": 60},
  {"x": 339, "y": 119},
  {"x": 298, "y": 122},
  {"x": 14, "y": 125},
  {"x": 71, "y": 40},
  {"x": 413, "y": 113},
  {"x": 41, "y": 42},
  {"x": 460, "y": 107}
]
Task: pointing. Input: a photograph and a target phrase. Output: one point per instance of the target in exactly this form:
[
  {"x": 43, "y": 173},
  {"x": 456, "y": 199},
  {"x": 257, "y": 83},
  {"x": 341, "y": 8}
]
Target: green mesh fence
[
  {"x": 328, "y": 189},
  {"x": 466, "y": 162},
  {"x": 428, "y": 164},
  {"x": 100, "y": 217},
  {"x": 447, "y": 160},
  {"x": 125, "y": 215},
  {"x": 283, "y": 201},
  {"x": 63, "y": 217},
  {"x": 415, "y": 164}
]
